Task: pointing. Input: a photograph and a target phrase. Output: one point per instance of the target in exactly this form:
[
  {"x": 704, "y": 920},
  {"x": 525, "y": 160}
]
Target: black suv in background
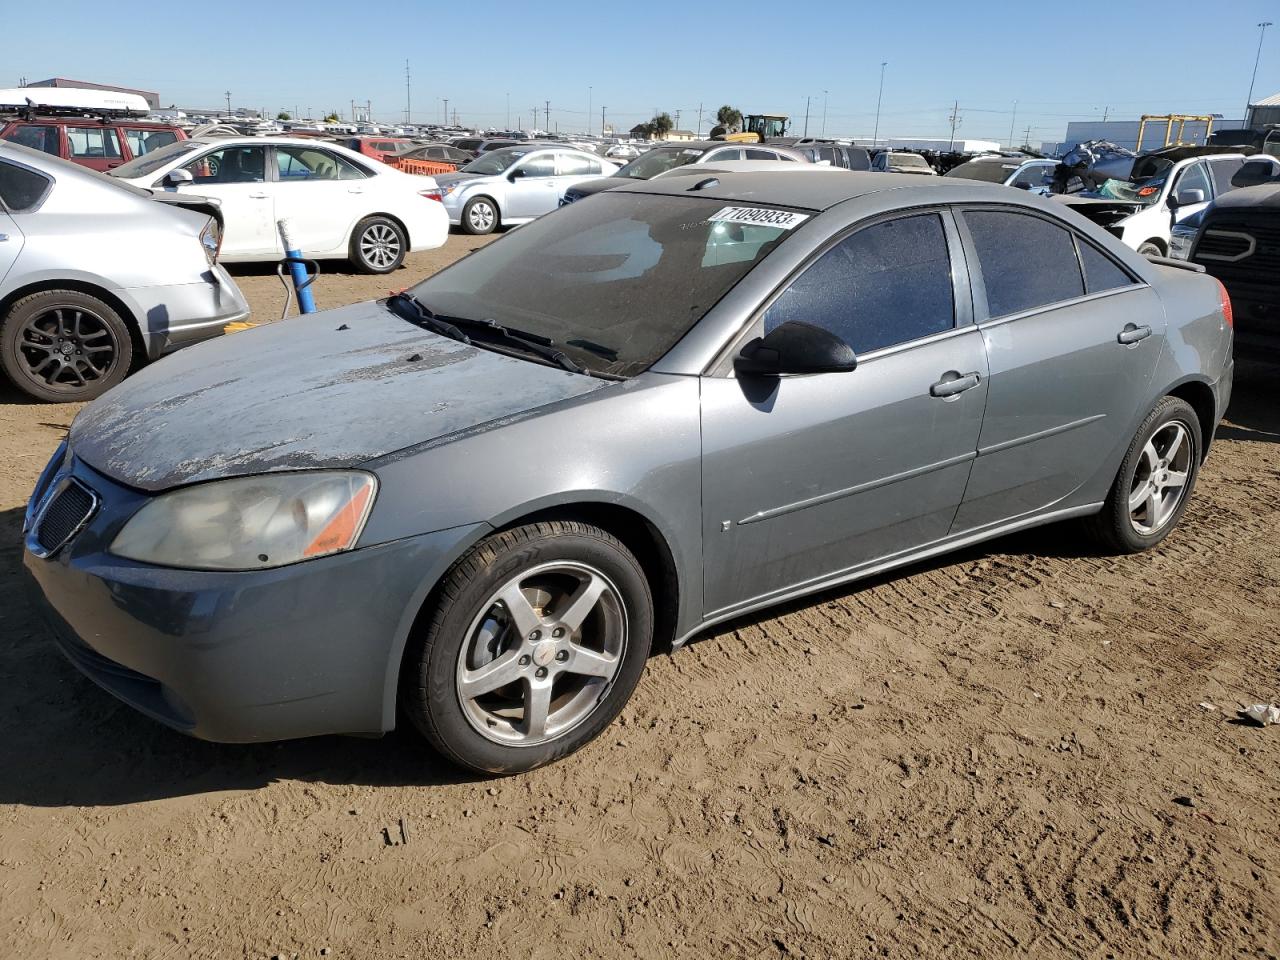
[{"x": 1239, "y": 243}]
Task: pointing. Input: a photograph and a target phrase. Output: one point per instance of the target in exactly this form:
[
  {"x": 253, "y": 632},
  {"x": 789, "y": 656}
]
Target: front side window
[
  {"x": 142, "y": 142},
  {"x": 1026, "y": 262},
  {"x": 21, "y": 189},
  {"x": 93, "y": 143},
  {"x": 36, "y": 136},
  {"x": 303, "y": 163},
  {"x": 1194, "y": 178},
  {"x": 496, "y": 161},
  {"x": 1033, "y": 176},
  {"x": 540, "y": 166},
  {"x": 241, "y": 164},
  {"x": 883, "y": 285},
  {"x": 614, "y": 282}
]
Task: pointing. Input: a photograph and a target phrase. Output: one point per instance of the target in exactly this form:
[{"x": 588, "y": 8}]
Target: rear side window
[
  {"x": 142, "y": 142},
  {"x": 1100, "y": 271},
  {"x": 1223, "y": 171},
  {"x": 1026, "y": 262},
  {"x": 21, "y": 189},
  {"x": 884, "y": 285},
  {"x": 37, "y": 137}
]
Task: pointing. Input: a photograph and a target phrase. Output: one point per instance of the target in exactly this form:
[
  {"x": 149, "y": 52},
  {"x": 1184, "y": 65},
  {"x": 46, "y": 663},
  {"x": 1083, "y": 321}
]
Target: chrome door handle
[
  {"x": 257, "y": 196},
  {"x": 354, "y": 190},
  {"x": 954, "y": 383},
  {"x": 1132, "y": 333}
]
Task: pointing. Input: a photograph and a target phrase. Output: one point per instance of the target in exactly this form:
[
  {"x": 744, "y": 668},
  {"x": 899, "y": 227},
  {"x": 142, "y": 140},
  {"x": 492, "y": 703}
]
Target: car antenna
[{"x": 703, "y": 184}]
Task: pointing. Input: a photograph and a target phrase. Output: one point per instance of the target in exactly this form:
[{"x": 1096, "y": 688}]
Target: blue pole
[{"x": 297, "y": 270}]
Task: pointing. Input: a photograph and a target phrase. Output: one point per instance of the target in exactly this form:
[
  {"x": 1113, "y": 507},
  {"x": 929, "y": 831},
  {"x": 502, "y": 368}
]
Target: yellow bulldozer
[{"x": 756, "y": 128}]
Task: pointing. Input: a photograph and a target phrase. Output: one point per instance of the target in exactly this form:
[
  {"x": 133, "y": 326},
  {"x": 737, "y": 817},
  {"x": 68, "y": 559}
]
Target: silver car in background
[
  {"x": 96, "y": 276},
  {"x": 516, "y": 184}
]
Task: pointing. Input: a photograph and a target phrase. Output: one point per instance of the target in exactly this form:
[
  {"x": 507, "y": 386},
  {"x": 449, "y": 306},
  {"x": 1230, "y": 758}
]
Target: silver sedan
[
  {"x": 96, "y": 275},
  {"x": 514, "y": 185}
]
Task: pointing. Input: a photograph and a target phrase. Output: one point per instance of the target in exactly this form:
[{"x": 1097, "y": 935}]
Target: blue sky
[{"x": 1060, "y": 61}]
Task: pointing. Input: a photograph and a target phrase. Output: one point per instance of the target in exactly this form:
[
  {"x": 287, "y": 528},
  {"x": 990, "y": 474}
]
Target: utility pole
[
  {"x": 228, "y": 96},
  {"x": 408, "y": 96},
  {"x": 1011, "y": 122},
  {"x": 875, "y": 137},
  {"x": 446, "y": 111},
  {"x": 955, "y": 119},
  {"x": 508, "y": 112},
  {"x": 1262, "y": 32},
  {"x": 1105, "y": 111},
  {"x": 698, "y": 132},
  {"x": 533, "y": 118},
  {"x": 824, "y": 112},
  {"x": 590, "y": 111},
  {"x": 677, "y": 123},
  {"x": 603, "y": 125},
  {"x": 548, "y": 115},
  {"x": 1026, "y": 136},
  {"x": 806, "y": 116}
]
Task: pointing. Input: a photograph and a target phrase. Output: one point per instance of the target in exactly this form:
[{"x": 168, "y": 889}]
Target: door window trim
[
  {"x": 982, "y": 312},
  {"x": 721, "y": 367}
]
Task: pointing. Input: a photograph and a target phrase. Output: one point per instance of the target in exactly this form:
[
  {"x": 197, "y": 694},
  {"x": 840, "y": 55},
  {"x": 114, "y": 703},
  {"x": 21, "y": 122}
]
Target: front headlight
[
  {"x": 251, "y": 523},
  {"x": 449, "y": 188}
]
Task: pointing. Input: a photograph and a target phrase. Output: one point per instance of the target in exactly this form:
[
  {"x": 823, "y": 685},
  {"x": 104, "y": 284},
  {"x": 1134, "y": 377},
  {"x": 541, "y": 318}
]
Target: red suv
[{"x": 96, "y": 144}]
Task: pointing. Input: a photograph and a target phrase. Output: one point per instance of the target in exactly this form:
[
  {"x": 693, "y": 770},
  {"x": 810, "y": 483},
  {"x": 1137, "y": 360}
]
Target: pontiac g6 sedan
[{"x": 481, "y": 503}]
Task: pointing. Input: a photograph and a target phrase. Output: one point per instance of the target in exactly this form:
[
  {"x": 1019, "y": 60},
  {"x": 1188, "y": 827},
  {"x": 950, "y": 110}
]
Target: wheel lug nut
[
  {"x": 524, "y": 661},
  {"x": 535, "y": 636},
  {"x": 562, "y": 656},
  {"x": 541, "y": 672},
  {"x": 558, "y": 632}
]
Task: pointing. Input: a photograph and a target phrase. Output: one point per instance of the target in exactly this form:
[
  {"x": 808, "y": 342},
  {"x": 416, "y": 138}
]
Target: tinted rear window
[
  {"x": 21, "y": 189},
  {"x": 1100, "y": 271},
  {"x": 1026, "y": 262}
]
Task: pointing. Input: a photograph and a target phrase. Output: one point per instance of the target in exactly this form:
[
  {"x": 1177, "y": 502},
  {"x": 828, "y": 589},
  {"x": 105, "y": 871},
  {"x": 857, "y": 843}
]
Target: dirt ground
[{"x": 1022, "y": 750}]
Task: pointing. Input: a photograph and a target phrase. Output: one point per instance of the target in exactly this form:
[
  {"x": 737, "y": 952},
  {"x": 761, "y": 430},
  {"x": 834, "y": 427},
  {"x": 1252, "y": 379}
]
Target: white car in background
[{"x": 339, "y": 204}]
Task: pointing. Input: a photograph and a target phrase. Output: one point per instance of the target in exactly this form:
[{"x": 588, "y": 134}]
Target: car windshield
[
  {"x": 988, "y": 171},
  {"x": 659, "y": 161},
  {"x": 1145, "y": 192},
  {"x": 614, "y": 282},
  {"x": 496, "y": 161},
  {"x": 153, "y": 161},
  {"x": 908, "y": 160}
]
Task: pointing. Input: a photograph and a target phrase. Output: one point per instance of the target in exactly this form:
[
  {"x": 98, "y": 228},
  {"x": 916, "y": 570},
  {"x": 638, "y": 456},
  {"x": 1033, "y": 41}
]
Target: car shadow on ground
[{"x": 1254, "y": 414}]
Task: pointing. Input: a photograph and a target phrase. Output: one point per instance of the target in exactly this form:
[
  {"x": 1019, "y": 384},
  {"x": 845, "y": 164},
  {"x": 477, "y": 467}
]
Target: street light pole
[
  {"x": 806, "y": 115},
  {"x": 590, "y": 92},
  {"x": 875, "y": 137},
  {"x": 824, "y": 113},
  {"x": 1262, "y": 32},
  {"x": 1013, "y": 120},
  {"x": 228, "y": 95}
]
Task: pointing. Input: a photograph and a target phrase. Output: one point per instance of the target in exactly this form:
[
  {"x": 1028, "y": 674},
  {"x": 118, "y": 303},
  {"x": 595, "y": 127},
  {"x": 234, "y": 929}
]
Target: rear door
[
  {"x": 321, "y": 195},
  {"x": 808, "y": 477},
  {"x": 1072, "y": 341},
  {"x": 96, "y": 147},
  {"x": 21, "y": 189}
]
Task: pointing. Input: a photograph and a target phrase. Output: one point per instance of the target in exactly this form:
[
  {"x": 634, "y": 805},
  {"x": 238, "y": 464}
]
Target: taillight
[
  {"x": 1226, "y": 305},
  {"x": 435, "y": 195}
]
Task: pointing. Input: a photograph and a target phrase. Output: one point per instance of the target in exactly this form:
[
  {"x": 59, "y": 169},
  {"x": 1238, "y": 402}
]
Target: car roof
[{"x": 810, "y": 189}]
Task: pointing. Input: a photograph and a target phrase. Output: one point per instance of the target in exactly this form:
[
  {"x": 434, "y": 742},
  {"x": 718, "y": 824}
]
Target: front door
[
  {"x": 1192, "y": 177},
  {"x": 1070, "y": 351},
  {"x": 531, "y": 188},
  {"x": 809, "y": 477},
  {"x": 236, "y": 175}
]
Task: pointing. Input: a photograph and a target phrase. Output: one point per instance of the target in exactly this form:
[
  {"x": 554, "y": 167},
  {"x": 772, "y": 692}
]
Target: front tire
[
  {"x": 539, "y": 639},
  {"x": 1151, "y": 491},
  {"x": 378, "y": 245},
  {"x": 64, "y": 346},
  {"x": 1150, "y": 249},
  {"x": 480, "y": 216}
]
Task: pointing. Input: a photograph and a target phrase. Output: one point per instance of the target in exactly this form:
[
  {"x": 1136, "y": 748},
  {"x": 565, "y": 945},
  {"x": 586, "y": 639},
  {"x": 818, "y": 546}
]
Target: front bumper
[
  {"x": 298, "y": 651},
  {"x": 175, "y": 316}
]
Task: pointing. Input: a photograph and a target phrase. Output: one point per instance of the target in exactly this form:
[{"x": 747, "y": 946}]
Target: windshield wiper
[
  {"x": 411, "y": 308},
  {"x": 414, "y": 310}
]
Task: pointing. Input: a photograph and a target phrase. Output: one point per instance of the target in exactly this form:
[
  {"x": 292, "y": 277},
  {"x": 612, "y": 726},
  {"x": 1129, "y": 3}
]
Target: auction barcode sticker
[{"x": 782, "y": 219}]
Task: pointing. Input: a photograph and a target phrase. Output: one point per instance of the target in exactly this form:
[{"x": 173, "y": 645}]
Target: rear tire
[
  {"x": 539, "y": 639},
  {"x": 378, "y": 245},
  {"x": 64, "y": 346},
  {"x": 480, "y": 216},
  {"x": 1154, "y": 485}
]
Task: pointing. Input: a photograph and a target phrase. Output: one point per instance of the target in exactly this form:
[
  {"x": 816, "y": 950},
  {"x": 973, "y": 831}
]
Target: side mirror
[
  {"x": 795, "y": 347},
  {"x": 517, "y": 173},
  {"x": 176, "y": 178},
  {"x": 1185, "y": 198}
]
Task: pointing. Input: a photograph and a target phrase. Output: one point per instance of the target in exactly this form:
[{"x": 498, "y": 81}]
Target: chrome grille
[{"x": 68, "y": 510}]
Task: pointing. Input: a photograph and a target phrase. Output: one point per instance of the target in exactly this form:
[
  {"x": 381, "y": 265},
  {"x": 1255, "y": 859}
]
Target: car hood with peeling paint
[{"x": 333, "y": 389}]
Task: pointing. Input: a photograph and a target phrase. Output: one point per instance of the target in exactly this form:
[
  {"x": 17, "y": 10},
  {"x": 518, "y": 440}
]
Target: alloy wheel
[
  {"x": 1160, "y": 480},
  {"x": 67, "y": 348},
  {"x": 542, "y": 653},
  {"x": 380, "y": 246},
  {"x": 481, "y": 216}
]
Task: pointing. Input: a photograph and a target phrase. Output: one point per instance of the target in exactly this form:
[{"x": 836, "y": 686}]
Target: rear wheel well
[
  {"x": 1202, "y": 401},
  {"x": 93, "y": 290}
]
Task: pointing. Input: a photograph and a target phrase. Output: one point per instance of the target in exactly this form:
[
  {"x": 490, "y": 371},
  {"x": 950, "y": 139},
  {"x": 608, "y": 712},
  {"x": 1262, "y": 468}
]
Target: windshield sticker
[{"x": 782, "y": 219}]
